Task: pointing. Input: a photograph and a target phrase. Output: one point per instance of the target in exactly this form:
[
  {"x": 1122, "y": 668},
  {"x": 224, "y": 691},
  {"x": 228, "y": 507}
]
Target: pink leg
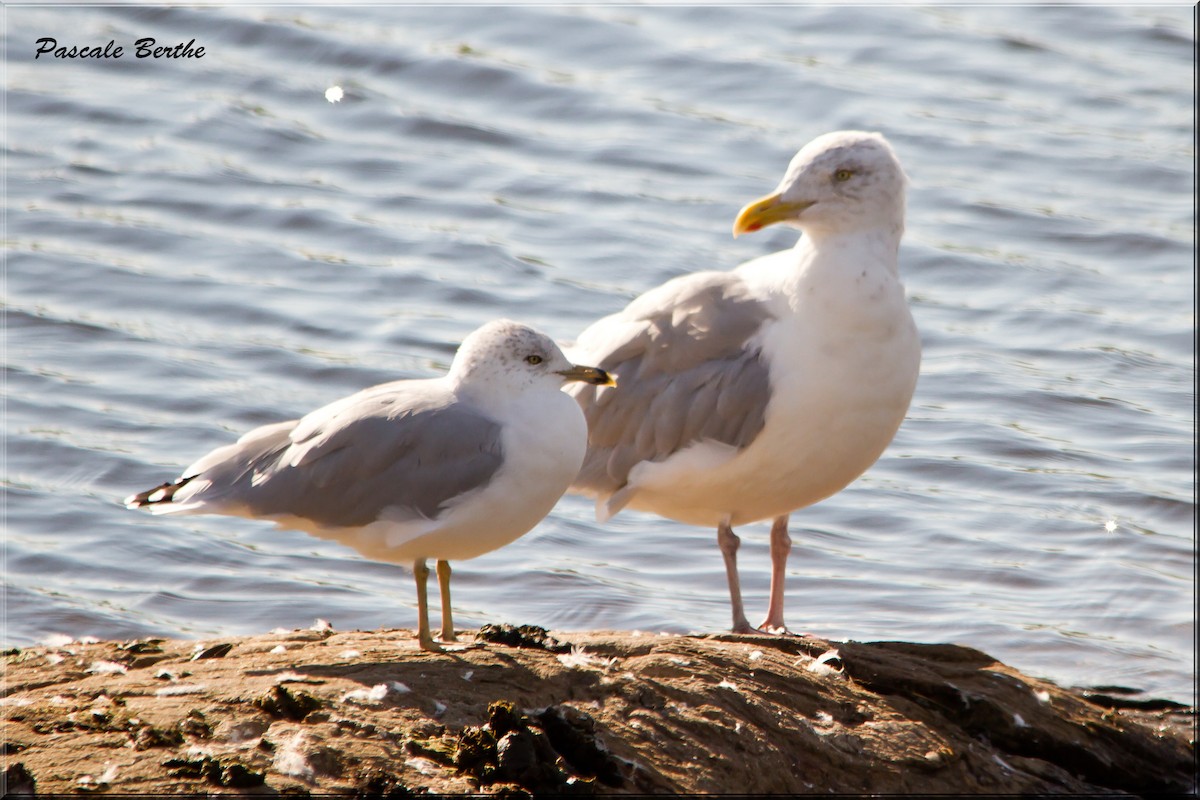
[
  {"x": 728, "y": 541},
  {"x": 781, "y": 545}
]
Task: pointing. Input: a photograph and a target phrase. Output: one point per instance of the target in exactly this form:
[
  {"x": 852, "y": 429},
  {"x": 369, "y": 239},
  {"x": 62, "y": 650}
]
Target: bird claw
[{"x": 765, "y": 629}]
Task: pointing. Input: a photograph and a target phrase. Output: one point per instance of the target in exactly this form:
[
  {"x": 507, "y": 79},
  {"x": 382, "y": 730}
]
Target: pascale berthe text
[{"x": 142, "y": 48}]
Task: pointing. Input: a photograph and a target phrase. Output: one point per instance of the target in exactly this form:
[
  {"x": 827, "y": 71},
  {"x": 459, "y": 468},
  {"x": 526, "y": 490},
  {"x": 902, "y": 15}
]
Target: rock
[
  {"x": 232, "y": 774},
  {"x": 572, "y": 733},
  {"x": 609, "y": 712},
  {"x": 379, "y": 783},
  {"x": 215, "y": 651}
]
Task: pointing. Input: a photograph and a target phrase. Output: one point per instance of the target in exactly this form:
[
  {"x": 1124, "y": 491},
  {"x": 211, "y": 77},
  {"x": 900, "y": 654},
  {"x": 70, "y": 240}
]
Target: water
[{"x": 199, "y": 246}]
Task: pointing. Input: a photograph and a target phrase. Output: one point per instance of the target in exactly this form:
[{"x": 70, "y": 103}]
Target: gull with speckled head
[
  {"x": 749, "y": 394},
  {"x": 445, "y": 468}
]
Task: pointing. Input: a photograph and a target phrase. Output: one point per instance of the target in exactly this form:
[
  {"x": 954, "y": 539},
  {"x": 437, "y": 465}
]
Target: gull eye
[
  {"x": 534, "y": 359},
  {"x": 843, "y": 175}
]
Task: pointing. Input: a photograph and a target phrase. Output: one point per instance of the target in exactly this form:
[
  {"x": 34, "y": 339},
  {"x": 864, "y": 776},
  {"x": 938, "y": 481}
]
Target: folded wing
[
  {"x": 405, "y": 447},
  {"x": 688, "y": 369}
]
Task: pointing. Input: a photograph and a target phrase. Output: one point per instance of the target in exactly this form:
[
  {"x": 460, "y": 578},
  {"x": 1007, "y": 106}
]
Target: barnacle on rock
[
  {"x": 283, "y": 703},
  {"x": 556, "y": 750}
]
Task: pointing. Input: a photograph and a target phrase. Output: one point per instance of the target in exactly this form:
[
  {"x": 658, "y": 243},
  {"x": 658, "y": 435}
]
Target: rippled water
[{"x": 199, "y": 246}]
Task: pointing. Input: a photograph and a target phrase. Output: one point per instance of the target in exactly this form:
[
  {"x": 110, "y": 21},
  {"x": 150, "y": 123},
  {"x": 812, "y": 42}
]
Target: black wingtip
[{"x": 163, "y": 493}]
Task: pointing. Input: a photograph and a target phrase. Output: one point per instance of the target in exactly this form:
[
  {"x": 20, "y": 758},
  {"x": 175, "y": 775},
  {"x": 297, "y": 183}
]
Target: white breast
[
  {"x": 844, "y": 356},
  {"x": 544, "y": 445}
]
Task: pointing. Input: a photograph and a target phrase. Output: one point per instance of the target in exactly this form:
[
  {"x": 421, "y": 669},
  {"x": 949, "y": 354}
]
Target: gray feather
[
  {"x": 686, "y": 372},
  {"x": 392, "y": 446}
]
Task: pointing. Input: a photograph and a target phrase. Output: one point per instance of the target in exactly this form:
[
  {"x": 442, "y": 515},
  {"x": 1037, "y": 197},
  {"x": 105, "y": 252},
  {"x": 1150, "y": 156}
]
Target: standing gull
[
  {"x": 444, "y": 468},
  {"x": 746, "y": 395}
]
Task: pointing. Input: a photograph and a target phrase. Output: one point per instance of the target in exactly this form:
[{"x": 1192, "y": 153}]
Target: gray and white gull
[
  {"x": 748, "y": 394},
  {"x": 445, "y": 468}
]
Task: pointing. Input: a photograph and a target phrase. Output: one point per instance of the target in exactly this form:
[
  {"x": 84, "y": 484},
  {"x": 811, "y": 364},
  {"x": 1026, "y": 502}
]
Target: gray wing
[
  {"x": 405, "y": 444},
  {"x": 686, "y": 371}
]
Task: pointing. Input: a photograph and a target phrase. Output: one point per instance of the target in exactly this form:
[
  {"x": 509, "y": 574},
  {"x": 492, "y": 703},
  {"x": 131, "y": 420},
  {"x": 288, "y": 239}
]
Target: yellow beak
[
  {"x": 767, "y": 211},
  {"x": 593, "y": 375}
]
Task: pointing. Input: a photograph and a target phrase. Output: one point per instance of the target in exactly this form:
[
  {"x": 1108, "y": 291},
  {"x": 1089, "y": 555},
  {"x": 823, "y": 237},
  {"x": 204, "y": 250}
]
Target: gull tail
[{"x": 162, "y": 494}]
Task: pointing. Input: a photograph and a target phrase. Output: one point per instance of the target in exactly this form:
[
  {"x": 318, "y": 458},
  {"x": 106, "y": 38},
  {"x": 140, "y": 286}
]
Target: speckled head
[
  {"x": 509, "y": 355},
  {"x": 839, "y": 182}
]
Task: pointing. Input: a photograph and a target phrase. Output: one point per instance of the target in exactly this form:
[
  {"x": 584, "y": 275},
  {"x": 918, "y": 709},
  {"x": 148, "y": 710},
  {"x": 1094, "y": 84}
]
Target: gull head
[
  {"x": 839, "y": 182},
  {"x": 508, "y": 355}
]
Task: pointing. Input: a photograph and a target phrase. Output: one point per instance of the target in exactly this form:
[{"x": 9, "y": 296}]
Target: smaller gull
[
  {"x": 746, "y": 395},
  {"x": 443, "y": 468}
]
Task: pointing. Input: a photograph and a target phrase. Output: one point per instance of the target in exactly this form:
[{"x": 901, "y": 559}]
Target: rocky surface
[{"x": 516, "y": 710}]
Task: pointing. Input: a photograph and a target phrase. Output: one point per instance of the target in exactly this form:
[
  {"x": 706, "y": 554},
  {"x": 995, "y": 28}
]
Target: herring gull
[
  {"x": 443, "y": 468},
  {"x": 746, "y": 395}
]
